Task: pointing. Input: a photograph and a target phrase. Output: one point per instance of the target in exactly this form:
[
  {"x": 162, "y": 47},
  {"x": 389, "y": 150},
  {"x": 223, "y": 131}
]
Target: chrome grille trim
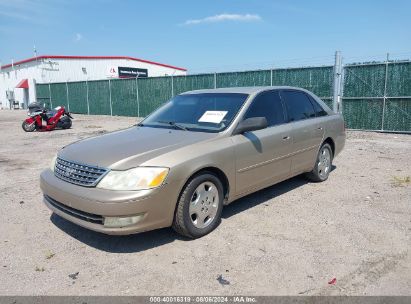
[{"x": 78, "y": 173}]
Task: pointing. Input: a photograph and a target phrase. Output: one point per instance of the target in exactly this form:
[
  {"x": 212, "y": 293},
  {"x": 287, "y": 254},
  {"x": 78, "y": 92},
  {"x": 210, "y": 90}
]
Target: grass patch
[
  {"x": 401, "y": 181},
  {"x": 49, "y": 255}
]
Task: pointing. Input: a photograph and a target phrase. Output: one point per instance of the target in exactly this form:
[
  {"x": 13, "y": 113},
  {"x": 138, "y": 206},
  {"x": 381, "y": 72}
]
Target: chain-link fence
[{"x": 376, "y": 96}]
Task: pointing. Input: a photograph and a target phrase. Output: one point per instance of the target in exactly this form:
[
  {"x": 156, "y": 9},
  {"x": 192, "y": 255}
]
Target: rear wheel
[
  {"x": 64, "y": 123},
  {"x": 323, "y": 164},
  {"x": 29, "y": 127},
  {"x": 199, "y": 207}
]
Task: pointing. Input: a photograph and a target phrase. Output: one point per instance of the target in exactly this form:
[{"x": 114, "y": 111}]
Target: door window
[
  {"x": 298, "y": 105},
  {"x": 267, "y": 104}
]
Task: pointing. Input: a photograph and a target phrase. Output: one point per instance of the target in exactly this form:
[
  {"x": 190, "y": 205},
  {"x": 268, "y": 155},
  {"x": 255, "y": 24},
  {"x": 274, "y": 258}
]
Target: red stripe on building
[{"x": 90, "y": 57}]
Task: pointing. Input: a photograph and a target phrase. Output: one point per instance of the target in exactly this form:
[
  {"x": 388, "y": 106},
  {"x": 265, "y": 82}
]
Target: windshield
[{"x": 208, "y": 112}]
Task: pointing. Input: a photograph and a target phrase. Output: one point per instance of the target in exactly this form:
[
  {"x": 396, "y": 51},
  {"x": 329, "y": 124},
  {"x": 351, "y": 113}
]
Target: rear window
[{"x": 319, "y": 111}]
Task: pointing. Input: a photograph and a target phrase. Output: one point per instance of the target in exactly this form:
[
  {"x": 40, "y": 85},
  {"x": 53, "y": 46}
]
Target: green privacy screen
[
  {"x": 364, "y": 81},
  {"x": 317, "y": 80},
  {"x": 152, "y": 93},
  {"x": 363, "y": 114},
  {"x": 375, "y": 96},
  {"x": 243, "y": 79},
  {"x": 59, "y": 94},
  {"x": 99, "y": 97},
  {"x": 192, "y": 82},
  {"x": 77, "y": 96},
  {"x": 124, "y": 97},
  {"x": 399, "y": 79},
  {"x": 43, "y": 94},
  {"x": 378, "y": 96},
  {"x": 397, "y": 115}
]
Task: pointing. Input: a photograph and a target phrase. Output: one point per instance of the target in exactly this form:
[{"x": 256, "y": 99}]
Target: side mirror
[{"x": 251, "y": 124}]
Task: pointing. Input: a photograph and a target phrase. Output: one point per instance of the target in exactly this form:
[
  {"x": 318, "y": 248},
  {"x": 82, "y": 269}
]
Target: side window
[
  {"x": 319, "y": 111},
  {"x": 268, "y": 105},
  {"x": 298, "y": 105}
]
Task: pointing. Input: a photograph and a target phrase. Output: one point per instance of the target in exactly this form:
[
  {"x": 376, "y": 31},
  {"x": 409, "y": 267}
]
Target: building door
[
  {"x": 24, "y": 84},
  {"x": 26, "y": 98}
]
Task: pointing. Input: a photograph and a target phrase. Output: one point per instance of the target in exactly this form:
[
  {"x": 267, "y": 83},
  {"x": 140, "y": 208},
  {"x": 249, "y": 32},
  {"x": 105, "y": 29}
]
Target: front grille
[
  {"x": 85, "y": 216},
  {"x": 79, "y": 174}
]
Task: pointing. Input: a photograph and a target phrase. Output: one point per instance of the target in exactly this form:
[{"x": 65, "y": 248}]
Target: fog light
[{"x": 117, "y": 222}]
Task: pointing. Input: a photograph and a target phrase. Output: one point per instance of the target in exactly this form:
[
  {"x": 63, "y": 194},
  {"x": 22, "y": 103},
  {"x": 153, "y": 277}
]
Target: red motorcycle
[{"x": 57, "y": 118}]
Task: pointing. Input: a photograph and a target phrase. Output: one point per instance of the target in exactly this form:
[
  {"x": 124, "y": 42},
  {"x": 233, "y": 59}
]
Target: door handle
[{"x": 286, "y": 137}]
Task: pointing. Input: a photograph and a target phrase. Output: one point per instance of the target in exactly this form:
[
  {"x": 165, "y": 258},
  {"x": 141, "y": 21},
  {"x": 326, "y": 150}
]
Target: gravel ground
[{"x": 289, "y": 239}]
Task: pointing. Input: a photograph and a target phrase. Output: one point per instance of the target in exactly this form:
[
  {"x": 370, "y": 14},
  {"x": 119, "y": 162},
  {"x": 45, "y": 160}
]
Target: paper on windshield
[{"x": 213, "y": 116}]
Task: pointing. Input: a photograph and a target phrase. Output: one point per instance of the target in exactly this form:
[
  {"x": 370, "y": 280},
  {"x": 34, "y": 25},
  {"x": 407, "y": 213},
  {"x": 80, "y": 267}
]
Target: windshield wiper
[{"x": 174, "y": 124}]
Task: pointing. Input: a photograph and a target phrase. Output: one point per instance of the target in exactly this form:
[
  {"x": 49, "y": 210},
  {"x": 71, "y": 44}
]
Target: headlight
[
  {"x": 53, "y": 163},
  {"x": 140, "y": 178}
]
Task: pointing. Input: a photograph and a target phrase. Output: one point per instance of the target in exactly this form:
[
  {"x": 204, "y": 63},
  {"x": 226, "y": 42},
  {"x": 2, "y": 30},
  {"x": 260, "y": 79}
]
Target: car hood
[{"x": 131, "y": 147}]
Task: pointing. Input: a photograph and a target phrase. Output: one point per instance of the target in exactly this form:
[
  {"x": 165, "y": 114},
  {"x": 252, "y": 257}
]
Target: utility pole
[
  {"x": 337, "y": 82},
  {"x": 67, "y": 95},
  {"x": 384, "y": 101}
]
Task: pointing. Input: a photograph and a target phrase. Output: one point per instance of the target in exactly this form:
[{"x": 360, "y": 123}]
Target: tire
[
  {"x": 323, "y": 164},
  {"x": 28, "y": 127},
  {"x": 199, "y": 206},
  {"x": 65, "y": 122}
]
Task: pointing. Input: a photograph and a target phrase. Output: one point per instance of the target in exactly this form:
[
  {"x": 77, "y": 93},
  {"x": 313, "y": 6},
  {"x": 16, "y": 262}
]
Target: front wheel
[
  {"x": 28, "y": 127},
  {"x": 323, "y": 164},
  {"x": 199, "y": 207}
]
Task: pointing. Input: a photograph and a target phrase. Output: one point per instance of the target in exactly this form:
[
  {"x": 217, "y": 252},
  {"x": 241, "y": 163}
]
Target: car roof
[{"x": 242, "y": 90}]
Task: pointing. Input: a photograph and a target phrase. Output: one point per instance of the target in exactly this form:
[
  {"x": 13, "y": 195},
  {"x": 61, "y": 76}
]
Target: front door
[{"x": 262, "y": 156}]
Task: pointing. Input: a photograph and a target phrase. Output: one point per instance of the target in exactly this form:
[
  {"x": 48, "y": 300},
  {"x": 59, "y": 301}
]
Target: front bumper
[{"x": 87, "y": 207}]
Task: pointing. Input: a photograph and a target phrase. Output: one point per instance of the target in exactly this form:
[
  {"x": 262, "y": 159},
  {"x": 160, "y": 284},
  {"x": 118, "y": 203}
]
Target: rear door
[
  {"x": 262, "y": 156},
  {"x": 308, "y": 131}
]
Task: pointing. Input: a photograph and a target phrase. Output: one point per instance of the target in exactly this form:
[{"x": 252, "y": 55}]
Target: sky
[{"x": 209, "y": 35}]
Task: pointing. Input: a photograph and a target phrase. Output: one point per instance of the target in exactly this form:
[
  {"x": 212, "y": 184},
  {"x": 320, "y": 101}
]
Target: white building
[{"x": 18, "y": 80}]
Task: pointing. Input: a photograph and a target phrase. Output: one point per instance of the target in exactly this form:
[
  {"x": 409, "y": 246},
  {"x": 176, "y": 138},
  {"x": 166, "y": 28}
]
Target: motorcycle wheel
[
  {"x": 27, "y": 127},
  {"x": 67, "y": 124}
]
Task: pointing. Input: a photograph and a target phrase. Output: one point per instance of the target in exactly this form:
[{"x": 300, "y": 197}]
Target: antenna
[{"x": 35, "y": 51}]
